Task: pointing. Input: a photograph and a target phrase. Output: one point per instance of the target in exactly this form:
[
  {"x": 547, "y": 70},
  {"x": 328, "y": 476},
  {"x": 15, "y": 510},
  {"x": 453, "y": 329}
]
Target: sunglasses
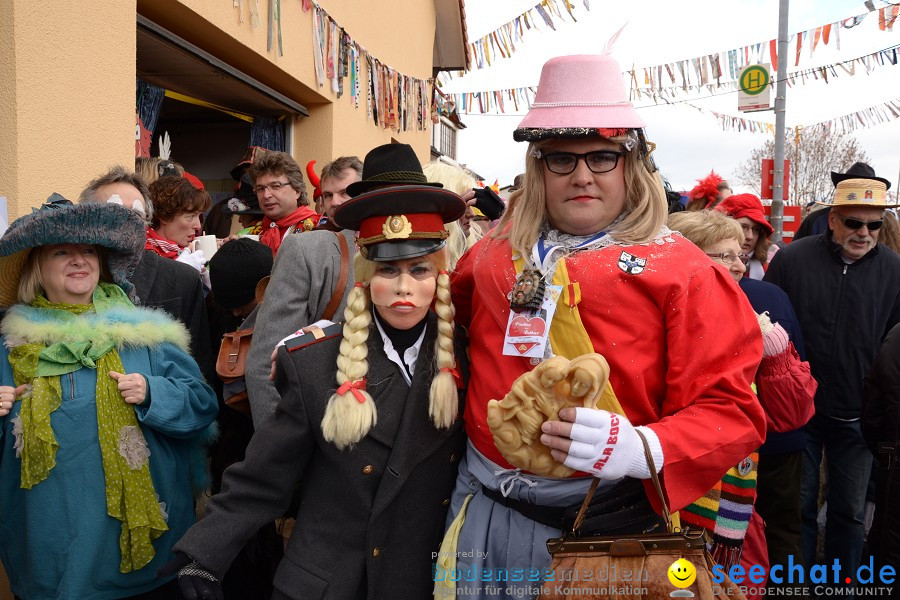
[{"x": 856, "y": 224}]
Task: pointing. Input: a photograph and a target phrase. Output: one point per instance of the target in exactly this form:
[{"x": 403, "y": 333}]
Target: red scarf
[
  {"x": 302, "y": 219},
  {"x": 162, "y": 246}
]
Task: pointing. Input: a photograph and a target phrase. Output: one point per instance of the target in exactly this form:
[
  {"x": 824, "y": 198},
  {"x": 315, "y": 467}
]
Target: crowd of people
[{"x": 341, "y": 446}]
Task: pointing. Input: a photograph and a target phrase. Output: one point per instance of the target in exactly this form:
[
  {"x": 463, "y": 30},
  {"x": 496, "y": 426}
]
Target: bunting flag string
[
  {"x": 501, "y": 42},
  {"x": 722, "y": 68},
  {"x": 707, "y": 69},
  {"x": 393, "y": 100},
  {"x": 517, "y": 99},
  {"x": 861, "y": 119},
  {"x": 676, "y": 93},
  {"x": 869, "y": 63}
]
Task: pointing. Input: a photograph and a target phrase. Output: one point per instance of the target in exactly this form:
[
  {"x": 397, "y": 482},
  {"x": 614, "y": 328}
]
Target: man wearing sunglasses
[{"x": 845, "y": 287}]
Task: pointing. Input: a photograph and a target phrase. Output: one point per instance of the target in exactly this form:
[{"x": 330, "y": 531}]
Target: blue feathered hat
[{"x": 121, "y": 231}]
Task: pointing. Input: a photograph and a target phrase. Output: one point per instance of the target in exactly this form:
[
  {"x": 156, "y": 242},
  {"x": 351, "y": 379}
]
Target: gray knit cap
[{"x": 58, "y": 221}]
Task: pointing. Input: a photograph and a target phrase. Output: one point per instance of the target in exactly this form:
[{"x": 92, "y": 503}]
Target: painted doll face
[{"x": 403, "y": 290}]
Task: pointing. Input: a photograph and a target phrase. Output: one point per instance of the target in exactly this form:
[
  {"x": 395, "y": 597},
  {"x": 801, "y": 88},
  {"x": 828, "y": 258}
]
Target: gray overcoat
[
  {"x": 303, "y": 278},
  {"x": 370, "y": 518}
]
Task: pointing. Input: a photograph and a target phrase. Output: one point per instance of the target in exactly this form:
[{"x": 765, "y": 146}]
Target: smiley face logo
[{"x": 682, "y": 573}]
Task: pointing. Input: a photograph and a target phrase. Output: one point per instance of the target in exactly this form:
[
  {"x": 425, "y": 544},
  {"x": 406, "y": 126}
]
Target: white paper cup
[{"x": 206, "y": 243}]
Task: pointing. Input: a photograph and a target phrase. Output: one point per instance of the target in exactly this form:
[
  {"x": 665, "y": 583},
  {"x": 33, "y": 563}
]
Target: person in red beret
[{"x": 747, "y": 210}]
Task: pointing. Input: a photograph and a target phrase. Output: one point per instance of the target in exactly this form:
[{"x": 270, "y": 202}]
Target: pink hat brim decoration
[{"x": 580, "y": 92}]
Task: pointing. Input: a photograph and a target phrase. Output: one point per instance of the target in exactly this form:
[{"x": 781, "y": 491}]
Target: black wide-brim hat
[
  {"x": 858, "y": 170},
  {"x": 400, "y": 222},
  {"x": 390, "y": 165},
  {"x": 58, "y": 221},
  {"x": 245, "y": 201}
]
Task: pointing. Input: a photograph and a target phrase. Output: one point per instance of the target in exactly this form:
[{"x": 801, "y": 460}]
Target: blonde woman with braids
[
  {"x": 369, "y": 421},
  {"x": 587, "y": 233}
]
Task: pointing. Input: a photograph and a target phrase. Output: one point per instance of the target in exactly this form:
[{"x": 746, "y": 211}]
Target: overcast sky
[{"x": 689, "y": 143}]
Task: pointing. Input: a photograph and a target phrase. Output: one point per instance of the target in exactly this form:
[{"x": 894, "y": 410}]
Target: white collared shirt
[{"x": 409, "y": 357}]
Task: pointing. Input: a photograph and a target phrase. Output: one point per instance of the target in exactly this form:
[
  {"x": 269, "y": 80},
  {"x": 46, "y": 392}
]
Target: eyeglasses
[
  {"x": 274, "y": 186},
  {"x": 730, "y": 258},
  {"x": 754, "y": 228},
  {"x": 856, "y": 224},
  {"x": 563, "y": 163}
]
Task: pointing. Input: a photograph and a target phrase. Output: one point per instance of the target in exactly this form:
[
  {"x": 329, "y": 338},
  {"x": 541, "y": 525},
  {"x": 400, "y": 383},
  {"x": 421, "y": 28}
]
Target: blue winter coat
[{"x": 56, "y": 539}]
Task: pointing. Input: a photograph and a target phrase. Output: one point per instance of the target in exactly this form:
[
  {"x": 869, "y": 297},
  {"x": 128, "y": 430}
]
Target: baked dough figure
[{"x": 538, "y": 396}]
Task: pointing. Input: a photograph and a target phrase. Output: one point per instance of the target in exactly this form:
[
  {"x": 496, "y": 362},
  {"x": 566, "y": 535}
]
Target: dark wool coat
[
  {"x": 370, "y": 517},
  {"x": 844, "y": 312},
  {"x": 175, "y": 287},
  {"x": 881, "y": 428}
]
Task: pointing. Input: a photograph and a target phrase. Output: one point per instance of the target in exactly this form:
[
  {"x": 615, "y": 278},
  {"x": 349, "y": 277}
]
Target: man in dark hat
[
  {"x": 845, "y": 287},
  {"x": 245, "y": 205},
  {"x": 307, "y": 270}
]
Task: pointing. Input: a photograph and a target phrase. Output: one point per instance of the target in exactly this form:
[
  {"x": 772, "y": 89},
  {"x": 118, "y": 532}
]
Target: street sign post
[
  {"x": 755, "y": 91},
  {"x": 768, "y": 177}
]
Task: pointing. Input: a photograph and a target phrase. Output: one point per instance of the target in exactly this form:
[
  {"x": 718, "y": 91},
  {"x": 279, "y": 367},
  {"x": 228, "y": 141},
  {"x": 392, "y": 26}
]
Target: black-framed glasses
[
  {"x": 758, "y": 230},
  {"x": 856, "y": 224},
  {"x": 598, "y": 161},
  {"x": 274, "y": 186},
  {"x": 730, "y": 258}
]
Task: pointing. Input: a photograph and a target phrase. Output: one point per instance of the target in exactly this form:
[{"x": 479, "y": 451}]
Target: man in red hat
[{"x": 278, "y": 183}]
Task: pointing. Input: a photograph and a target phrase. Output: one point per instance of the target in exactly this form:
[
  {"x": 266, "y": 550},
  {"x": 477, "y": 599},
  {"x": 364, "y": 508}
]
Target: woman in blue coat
[{"x": 102, "y": 412}]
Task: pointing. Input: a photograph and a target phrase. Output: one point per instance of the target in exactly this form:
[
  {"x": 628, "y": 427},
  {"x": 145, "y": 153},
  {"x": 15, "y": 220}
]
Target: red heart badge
[{"x": 520, "y": 326}]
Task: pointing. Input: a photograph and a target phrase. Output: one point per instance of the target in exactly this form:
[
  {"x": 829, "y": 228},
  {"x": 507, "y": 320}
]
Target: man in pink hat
[
  {"x": 587, "y": 231},
  {"x": 845, "y": 287}
]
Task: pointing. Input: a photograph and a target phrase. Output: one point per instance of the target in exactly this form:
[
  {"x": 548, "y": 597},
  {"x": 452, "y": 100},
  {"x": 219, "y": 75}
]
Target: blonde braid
[
  {"x": 350, "y": 415},
  {"x": 443, "y": 405}
]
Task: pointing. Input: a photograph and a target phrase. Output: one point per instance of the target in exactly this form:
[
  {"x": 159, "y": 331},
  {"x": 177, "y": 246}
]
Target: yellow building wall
[
  {"x": 67, "y": 84},
  {"x": 66, "y": 96},
  {"x": 400, "y": 33}
]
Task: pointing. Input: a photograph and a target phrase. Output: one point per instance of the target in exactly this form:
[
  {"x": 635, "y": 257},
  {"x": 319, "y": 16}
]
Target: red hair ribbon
[
  {"x": 455, "y": 372},
  {"x": 443, "y": 272},
  {"x": 359, "y": 284},
  {"x": 354, "y": 387}
]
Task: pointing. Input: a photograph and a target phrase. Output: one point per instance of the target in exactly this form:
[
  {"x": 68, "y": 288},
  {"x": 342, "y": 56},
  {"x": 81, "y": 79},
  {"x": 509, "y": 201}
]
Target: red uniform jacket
[{"x": 681, "y": 339}]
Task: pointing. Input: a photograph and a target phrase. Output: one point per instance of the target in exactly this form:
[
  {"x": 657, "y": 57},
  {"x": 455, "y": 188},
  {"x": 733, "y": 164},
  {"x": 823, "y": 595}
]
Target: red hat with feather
[{"x": 706, "y": 189}]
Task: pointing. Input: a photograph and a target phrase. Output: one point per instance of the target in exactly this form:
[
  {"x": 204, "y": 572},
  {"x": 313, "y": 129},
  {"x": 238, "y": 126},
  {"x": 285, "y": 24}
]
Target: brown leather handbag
[
  {"x": 231, "y": 362},
  {"x": 631, "y": 566}
]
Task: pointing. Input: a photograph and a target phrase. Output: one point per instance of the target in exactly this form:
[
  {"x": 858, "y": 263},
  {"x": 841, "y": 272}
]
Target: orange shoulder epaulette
[{"x": 313, "y": 334}]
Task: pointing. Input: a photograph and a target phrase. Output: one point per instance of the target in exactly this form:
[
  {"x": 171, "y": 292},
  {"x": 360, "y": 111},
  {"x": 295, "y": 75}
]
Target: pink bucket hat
[{"x": 576, "y": 96}]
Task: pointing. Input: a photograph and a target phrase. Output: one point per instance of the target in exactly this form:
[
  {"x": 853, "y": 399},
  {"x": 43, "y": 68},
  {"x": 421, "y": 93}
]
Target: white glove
[
  {"x": 194, "y": 259},
  {"x": 606, "y": 445}
]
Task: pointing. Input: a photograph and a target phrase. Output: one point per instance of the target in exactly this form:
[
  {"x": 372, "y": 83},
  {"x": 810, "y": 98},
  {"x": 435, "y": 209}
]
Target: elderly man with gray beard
[{"x": 845, "y": 287}]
